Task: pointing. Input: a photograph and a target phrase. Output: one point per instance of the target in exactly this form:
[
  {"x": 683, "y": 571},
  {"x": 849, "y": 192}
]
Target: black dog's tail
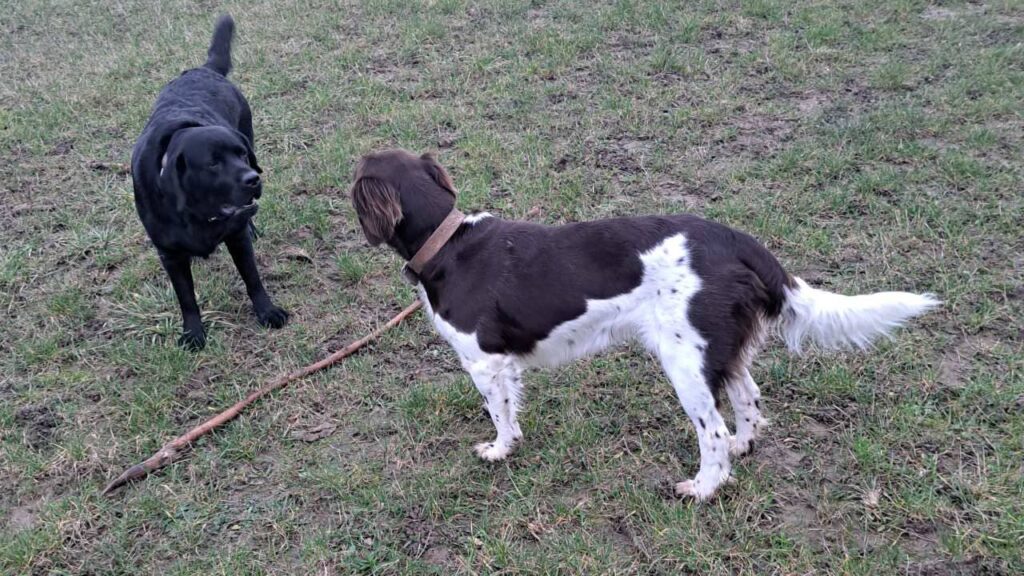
[{"x": 219, "y": 55}]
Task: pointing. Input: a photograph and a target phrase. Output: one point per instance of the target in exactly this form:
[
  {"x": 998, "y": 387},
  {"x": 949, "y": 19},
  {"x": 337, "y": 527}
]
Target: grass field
[{"x": 872, "y": 145}]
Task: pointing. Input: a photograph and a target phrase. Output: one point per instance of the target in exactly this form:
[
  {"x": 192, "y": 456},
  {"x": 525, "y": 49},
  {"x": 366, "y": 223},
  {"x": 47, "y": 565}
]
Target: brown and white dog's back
[{"x": 699, "y": 295}]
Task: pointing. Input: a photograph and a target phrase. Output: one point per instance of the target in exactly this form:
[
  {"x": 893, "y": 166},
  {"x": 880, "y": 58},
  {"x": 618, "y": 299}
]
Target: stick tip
[{"x": 134, "y": 473}]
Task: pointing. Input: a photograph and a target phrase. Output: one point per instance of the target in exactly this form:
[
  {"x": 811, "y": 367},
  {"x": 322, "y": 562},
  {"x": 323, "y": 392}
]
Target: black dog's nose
[{"x": 251, "y": 180}]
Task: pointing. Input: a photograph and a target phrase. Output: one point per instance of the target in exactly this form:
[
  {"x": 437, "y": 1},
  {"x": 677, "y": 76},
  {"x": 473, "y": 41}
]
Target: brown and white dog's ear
[
  {"x": 378, "y": 209},
  {"x": 437, "y": 173}
]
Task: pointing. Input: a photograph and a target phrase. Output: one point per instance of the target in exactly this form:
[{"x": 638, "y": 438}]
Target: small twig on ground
[
  {"x": 172, "y": 449},
  {"x": 20, "y": 209},
  {"x": 115, "y": 167}
]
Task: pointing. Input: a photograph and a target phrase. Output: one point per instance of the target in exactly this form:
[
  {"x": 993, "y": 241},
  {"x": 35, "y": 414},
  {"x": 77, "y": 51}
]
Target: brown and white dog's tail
[
  {"x": 829, "y": 320},
  {"x": 834, "y": 321}
]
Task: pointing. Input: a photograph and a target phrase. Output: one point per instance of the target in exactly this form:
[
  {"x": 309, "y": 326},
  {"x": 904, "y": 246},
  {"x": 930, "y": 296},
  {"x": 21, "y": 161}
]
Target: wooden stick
[{"x": 172, "y": 449}]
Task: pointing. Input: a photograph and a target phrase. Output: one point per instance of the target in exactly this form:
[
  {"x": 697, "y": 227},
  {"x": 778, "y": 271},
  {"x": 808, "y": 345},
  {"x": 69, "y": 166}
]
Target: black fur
[
  {"x": 196, "y": 179},
  {"x": 218, "y": 57}
]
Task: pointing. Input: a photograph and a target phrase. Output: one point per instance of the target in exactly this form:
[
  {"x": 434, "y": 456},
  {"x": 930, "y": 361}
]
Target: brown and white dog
[{"x": 699, "y": 295}]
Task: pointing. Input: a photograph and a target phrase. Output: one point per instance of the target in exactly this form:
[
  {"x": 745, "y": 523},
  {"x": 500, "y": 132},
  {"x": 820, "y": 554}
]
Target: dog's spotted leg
[
  {"x": 513, "y": 378},
  {"x": 745, "y": 397},
  {"x": 682, "y": 363},
  {"x": 497, "y": 379}
]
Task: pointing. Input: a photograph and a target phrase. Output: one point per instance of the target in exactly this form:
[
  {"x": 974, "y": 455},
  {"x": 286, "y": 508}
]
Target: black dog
[{"x": 196, "y": 180}]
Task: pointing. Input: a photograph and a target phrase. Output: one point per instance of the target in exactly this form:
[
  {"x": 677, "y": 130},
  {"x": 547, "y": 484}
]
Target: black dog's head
[{"x": 212, "y": 174}]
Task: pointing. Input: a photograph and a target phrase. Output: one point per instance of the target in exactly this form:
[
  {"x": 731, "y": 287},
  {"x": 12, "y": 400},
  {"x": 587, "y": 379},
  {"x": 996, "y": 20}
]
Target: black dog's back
[{"x": 219, "y": 55}]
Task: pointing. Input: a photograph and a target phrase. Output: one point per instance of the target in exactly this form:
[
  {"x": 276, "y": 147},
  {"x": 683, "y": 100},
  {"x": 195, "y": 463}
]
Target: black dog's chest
[{"x": 194, "y": 239}]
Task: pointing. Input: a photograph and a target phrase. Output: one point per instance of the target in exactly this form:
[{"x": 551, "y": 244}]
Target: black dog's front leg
[
  {"x": 179, "y": 268},
  {"x": 240, "y": 246}
]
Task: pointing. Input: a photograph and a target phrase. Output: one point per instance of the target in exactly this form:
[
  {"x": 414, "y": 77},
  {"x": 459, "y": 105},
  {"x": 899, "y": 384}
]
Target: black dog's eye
[{"x": 214, "y": 164}]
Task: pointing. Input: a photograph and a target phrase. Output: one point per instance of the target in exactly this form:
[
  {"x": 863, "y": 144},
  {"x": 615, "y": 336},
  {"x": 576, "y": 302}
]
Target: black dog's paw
[
  {"x": 193, "y": 340},
  {"x": 272, "y": 317}
]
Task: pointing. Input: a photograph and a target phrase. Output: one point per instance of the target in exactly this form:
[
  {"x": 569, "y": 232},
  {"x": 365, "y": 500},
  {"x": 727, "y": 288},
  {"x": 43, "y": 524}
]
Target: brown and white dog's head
[{"x": 400, "y": 198}]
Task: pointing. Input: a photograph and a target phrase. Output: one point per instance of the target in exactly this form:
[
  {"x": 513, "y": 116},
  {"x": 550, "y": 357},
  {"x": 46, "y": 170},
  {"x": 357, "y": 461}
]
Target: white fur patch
[{"x": 474, "y": 218}]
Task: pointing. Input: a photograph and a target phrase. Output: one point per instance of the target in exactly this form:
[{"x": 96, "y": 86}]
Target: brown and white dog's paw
[
  {"x": 743, "y": 442},
  {"x": 759, "y": 425},
  {"x": 492, "y": 451},
  {"x": 702, "y": 489},
  {"x": 740, "y": 446},
  {"x": 688, "y": 488}
]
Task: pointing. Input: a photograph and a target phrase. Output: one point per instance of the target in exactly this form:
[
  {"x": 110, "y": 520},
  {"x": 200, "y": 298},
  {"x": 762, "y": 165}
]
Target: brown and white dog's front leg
[{"x": 499, "y": 380}]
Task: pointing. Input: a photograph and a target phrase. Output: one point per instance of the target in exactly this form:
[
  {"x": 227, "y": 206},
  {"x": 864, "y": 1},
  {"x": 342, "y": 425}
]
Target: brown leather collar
[{"x": 437, "y": 240}]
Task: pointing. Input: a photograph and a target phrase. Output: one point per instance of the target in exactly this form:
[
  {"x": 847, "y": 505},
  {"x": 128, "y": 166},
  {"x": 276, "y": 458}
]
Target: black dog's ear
[
  {"x": 171, "y": 173},
  {"x": 438, "y": 173},
  {"x": 378, "y": 209},
  {"x": 167, "y": 156},
  {"x": 250, "y": 152}
]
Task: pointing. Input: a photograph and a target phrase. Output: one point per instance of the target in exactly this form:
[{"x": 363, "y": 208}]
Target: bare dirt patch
[
  {"x": 312, "y": 431},
  {"x": 622, "y": 534},
  {"x": 428, "y": 540},
  {"x": 40, "y": 423},
  {"x": 441, "y": 557},
  {"x": 800, "y": 520},
  {"x": 747, "y": 137},
  {"x": 22, "y": 518},
  {"x": 810, "y": 103},
  {"x": 942, "y": 14},
  {"x": 626, "y": 155},
  {"x": 661, "y": 479},
  {"x": 689, "y": 197},
  {"x": 198, "y": 385},
  {"x": 951, "y": 370},
  {"x": 778, "y": 456},
  {"x": 759, "y": 133},
  {"x": 816, "y": 429},
  {"x": 956, "y": 363}
]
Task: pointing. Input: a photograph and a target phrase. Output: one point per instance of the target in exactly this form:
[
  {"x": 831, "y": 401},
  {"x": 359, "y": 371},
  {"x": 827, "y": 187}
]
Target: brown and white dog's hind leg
[
  {"x": 745, "y": 397},
  {"x": 499, "y": 381},
  {"x": 682, "y": 364}
]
